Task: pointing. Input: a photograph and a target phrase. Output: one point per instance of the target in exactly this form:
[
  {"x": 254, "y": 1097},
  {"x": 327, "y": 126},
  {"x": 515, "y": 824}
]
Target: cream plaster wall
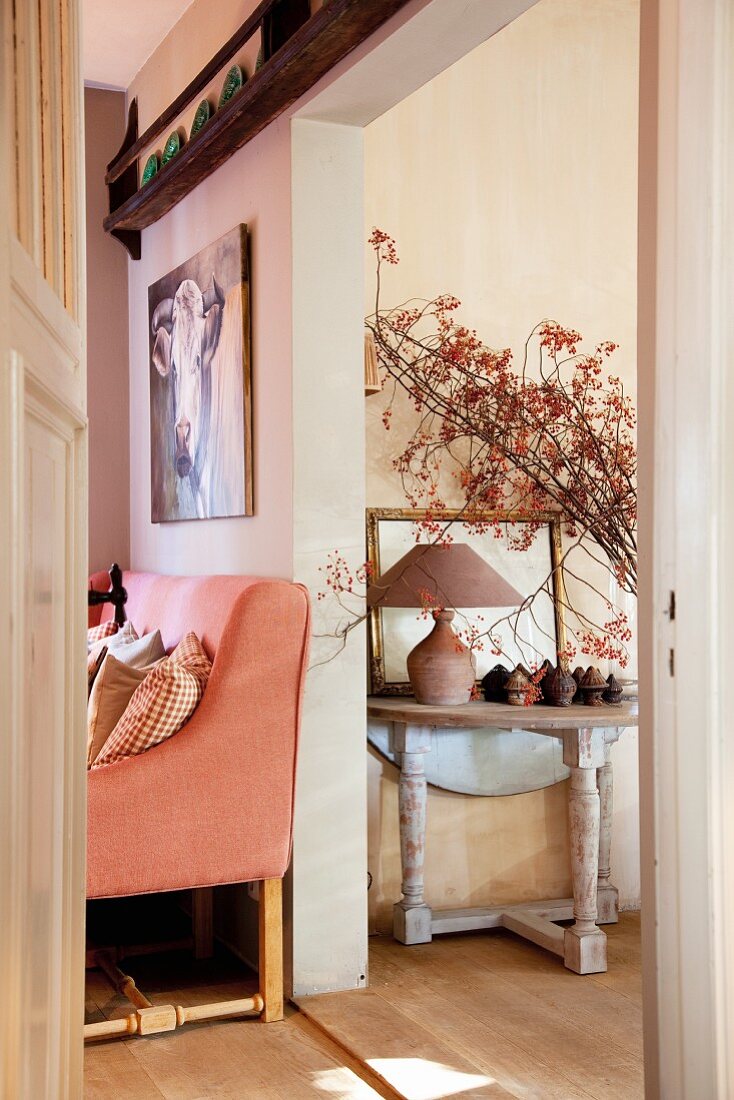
[
  {"x": 107, "y": 343},
  {"x": 510, "y": 180}
]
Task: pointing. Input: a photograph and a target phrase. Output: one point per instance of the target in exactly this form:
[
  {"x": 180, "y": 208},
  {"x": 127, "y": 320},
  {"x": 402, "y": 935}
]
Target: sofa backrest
[{"x": 176, "y": 605}]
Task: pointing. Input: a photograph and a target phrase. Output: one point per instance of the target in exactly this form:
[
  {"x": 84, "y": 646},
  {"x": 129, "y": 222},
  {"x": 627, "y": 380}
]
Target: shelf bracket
[{"x": 121, "y": 189}]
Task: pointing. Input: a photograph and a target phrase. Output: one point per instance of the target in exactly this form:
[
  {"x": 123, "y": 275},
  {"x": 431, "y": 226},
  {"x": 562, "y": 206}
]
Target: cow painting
[{"x": 200, "y": 385}]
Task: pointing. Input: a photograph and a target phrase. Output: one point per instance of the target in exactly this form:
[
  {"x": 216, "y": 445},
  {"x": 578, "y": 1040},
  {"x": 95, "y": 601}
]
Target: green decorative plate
[
  {"x": 151, "y": 167},
  {"x": 201, "y": 117},
  {"x": 171, "y": 147},
  {"x": 232, "y": 84}
]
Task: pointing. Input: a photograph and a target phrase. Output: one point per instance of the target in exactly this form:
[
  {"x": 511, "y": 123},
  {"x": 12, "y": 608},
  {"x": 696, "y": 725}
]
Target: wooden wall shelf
[{"x": 316, "y": 46}]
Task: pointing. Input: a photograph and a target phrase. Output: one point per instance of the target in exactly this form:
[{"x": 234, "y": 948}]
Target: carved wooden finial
[
  {"x": 559, "y": 687},
  {"x": 493, "y": 684},
  {"x": 613, "y": 693},
  {"x": 578, "y": 675},
  {"x": 517, "y": 687},
  {"x": 593, "y": 687}
]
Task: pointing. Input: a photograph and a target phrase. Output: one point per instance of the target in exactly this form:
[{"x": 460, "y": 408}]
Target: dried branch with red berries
[{"x": 557, "y": 433}]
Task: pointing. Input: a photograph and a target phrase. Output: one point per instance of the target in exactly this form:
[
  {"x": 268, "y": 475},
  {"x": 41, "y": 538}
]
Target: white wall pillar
[{"x": 329, "y": 875}]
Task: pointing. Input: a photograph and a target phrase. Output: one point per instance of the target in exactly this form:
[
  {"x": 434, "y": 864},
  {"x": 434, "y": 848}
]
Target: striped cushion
[
  {"x": 104, "y": 630},
  {"x": 164, "y": 701}
]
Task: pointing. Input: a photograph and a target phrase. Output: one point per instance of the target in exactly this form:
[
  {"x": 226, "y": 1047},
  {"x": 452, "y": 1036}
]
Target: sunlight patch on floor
[
  {"x": 420, "y": 1079},
  {"x": 343, "y": 1083}
]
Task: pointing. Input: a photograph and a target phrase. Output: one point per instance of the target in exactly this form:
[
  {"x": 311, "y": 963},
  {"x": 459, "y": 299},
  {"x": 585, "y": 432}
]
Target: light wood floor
[
  {"x": 482, "y": 1015},
  {"x": 229, "y": 1060}
]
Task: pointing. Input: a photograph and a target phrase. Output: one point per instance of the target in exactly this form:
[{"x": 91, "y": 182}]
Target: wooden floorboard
[
  {"x": 506, "y": 1009},
  {"x": 501, "y": 1058},
  {"x": 229, "y": 1059},
  {"x": 475, "y": 1016},
  {"x": 111, "y": 1071}
]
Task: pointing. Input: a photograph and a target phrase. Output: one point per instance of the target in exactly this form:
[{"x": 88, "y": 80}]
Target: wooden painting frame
[
  {"x": 379, "y": 685},
  {"x": 213, "y": 286}
]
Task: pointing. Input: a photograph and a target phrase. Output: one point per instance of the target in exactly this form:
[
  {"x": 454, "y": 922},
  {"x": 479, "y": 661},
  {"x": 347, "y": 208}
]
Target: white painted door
[
  {"x": 686, "y": 336},
  {"x": 43, "y": 542}
]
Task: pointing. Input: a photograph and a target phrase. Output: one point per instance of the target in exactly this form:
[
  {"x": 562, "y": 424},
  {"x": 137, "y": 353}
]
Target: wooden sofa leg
[
  {"x": 202, "y": 916},
  {"x": 270, "y": 908}
]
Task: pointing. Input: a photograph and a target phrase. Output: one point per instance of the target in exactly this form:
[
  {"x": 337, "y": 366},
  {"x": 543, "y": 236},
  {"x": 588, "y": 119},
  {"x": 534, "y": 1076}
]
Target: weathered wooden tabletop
[{"x": 501, "y": 715}]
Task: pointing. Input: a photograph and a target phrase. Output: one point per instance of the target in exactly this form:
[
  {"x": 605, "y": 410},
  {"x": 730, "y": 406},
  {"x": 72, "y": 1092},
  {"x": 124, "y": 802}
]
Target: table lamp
[{"x": 440, "y": 668}]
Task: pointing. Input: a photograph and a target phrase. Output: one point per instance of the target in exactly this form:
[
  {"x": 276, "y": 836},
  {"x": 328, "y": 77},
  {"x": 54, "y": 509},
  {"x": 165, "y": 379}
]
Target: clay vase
[
  {"x": 613, "y": 694},
  {"x": 493, "y": 684},
  {"x": 517, "y": 687},
  {"x": 593, "y": 687},
  {"x": 559, "y": 687},
  {"x": 441, "y": 669}
]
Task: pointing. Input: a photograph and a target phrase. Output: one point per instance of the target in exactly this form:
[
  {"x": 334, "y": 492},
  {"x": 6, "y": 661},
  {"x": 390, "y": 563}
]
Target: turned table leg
[
  {"x": 585, "y": 945},
  {"x": 607, "y": 895},
  {"x": 411, "y": 915}
]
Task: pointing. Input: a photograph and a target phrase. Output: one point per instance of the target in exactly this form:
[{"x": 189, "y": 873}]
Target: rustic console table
[{"x": 588, "y": 734}]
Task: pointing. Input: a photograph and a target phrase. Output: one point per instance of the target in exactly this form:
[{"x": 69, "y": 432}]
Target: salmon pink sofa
[{"x": 214, "y": 803}]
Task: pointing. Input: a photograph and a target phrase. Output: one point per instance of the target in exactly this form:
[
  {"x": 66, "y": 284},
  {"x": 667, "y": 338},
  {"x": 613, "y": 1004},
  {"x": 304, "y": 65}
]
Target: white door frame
[{"x": 686, "y": 335}]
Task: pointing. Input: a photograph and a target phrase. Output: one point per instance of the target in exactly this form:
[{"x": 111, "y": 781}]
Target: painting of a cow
[{"x": 200, "y": 413}]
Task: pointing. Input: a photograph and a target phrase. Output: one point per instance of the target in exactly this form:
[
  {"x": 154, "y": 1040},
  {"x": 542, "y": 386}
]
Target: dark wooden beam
[
  {"x": 194, "y": 88},
  {"x": 328, "y": 36}
]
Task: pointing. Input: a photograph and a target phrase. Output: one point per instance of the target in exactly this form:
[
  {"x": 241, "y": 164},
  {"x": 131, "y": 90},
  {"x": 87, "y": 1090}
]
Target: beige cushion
[
  {"x": 111, "y": 692},
  {"x": 134, "y": 651},
  {"x": 94, "y": 664}
]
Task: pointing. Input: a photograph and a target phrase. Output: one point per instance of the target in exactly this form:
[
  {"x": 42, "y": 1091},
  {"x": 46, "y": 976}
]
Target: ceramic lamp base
[{"x": 441, "y": 669}]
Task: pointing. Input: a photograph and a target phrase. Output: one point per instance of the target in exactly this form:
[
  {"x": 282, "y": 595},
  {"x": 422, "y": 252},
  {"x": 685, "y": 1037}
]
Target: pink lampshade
[{"x": 453, "y": 575}]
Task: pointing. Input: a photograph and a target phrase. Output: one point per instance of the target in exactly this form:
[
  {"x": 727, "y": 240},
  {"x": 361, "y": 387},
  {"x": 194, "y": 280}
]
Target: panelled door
[{"x": 43, "y": 548}]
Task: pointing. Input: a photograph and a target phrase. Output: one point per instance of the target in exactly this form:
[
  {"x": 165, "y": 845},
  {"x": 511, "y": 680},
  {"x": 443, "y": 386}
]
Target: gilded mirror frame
[{"x": 374, "y": 516}]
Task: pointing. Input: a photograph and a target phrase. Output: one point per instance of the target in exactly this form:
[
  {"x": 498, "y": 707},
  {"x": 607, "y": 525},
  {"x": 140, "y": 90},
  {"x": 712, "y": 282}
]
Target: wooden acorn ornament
[
  {"x": 578, "y": 675},
  {"x": 493, "y": 684},
  {"x": 517, "y": 687},
  {"x": 559, "y": 687},
  {"x": 593, "y": 687},
  {"x": 613, "y": 694}
]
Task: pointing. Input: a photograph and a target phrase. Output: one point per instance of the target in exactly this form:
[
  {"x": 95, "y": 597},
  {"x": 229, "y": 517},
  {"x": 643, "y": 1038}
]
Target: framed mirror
[
  {"x": 482, "y": 761},
  {"x": 539, "y": 632}
]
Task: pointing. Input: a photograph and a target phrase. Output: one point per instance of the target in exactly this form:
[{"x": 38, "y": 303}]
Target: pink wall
[
  {"x": 252, "y": 187},
  {"x": 107, "y": 344}
]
